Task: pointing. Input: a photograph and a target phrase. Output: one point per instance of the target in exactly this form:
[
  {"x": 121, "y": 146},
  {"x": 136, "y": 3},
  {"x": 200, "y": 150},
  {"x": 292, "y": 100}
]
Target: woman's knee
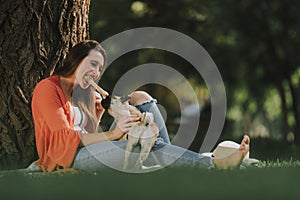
[{"x": 139, "y": 97}]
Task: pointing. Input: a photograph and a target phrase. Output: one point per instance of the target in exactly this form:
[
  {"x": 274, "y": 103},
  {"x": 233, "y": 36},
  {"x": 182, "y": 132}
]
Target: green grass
[{"x": 270, "y": 179}]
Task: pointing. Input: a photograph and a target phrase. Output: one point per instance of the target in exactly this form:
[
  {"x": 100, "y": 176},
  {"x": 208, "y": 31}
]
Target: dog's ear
[
  {"x": 125, "y": 98},
  {"x": 106, "y": 102}
]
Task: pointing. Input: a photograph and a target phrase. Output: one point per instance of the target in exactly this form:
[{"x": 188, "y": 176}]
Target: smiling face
[{"x": 91, "y": 66}]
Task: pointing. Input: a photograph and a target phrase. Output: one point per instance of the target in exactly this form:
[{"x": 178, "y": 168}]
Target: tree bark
[{"x": 35, "y": 36}]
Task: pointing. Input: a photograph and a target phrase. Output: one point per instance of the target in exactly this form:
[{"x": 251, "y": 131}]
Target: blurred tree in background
[
  {"x": 265, "y": 45},
  {"x": 254, "y": 44}
]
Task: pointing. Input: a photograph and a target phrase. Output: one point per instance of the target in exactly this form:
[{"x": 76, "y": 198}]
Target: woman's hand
[
  {"x": 124, "y": 124},
  {"x": 99, "y": 109}
]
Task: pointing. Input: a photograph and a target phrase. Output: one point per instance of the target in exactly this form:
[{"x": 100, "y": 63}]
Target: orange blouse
[{"x": 56, "y": 140}]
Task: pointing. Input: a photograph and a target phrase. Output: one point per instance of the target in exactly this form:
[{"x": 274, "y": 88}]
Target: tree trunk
[
  {"x": 295, "y": 103},
  {"x": 284, "y": 110},
  {"x": 35, "y": 36}
]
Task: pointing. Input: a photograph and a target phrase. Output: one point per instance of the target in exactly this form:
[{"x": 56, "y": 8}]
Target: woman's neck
[{"x": 67, "y": 85}]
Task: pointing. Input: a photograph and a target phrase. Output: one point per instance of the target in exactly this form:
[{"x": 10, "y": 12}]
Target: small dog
[{"x": 144, "y": 133}]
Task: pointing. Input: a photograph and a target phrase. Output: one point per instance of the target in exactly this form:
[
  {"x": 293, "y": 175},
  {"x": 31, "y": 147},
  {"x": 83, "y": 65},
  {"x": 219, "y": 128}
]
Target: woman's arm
[
  {"x": 123, "y": 126},
  {"x": 56, "y": 141},
  {"x": 92, "y": 138}
]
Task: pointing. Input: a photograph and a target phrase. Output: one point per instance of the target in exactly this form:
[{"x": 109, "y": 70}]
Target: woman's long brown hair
[{"x": 83, "y": 98}]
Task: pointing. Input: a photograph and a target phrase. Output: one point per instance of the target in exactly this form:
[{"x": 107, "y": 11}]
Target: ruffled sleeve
[
  {"x": 62, "y": 148},
  {"x": 56, "y": 140}
]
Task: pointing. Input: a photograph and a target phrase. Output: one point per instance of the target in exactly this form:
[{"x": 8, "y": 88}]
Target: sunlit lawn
[{"x": 271, "y": 180}]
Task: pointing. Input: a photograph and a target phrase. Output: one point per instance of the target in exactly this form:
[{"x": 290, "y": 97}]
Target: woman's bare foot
[{"x": 235, "y": 159}]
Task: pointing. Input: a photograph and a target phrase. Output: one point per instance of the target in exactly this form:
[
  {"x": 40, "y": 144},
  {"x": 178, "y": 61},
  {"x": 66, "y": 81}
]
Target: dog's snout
[{"x": 106, "y": 102}]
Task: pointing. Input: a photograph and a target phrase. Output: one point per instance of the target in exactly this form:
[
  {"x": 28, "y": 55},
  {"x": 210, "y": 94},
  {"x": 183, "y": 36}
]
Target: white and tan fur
[{"x": 144, "y": 133}]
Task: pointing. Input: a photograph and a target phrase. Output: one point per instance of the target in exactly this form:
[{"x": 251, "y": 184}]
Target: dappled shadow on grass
[{"x": 171, "y": 183}]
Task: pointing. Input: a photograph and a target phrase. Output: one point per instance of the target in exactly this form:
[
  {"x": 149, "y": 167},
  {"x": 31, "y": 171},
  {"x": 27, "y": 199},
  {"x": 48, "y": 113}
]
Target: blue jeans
[{"x": 111, "y": 154}]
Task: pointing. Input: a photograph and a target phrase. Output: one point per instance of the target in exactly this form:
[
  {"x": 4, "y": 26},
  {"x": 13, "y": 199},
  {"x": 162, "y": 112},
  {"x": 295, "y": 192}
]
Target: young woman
[{"x": 67, "y": 110}]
